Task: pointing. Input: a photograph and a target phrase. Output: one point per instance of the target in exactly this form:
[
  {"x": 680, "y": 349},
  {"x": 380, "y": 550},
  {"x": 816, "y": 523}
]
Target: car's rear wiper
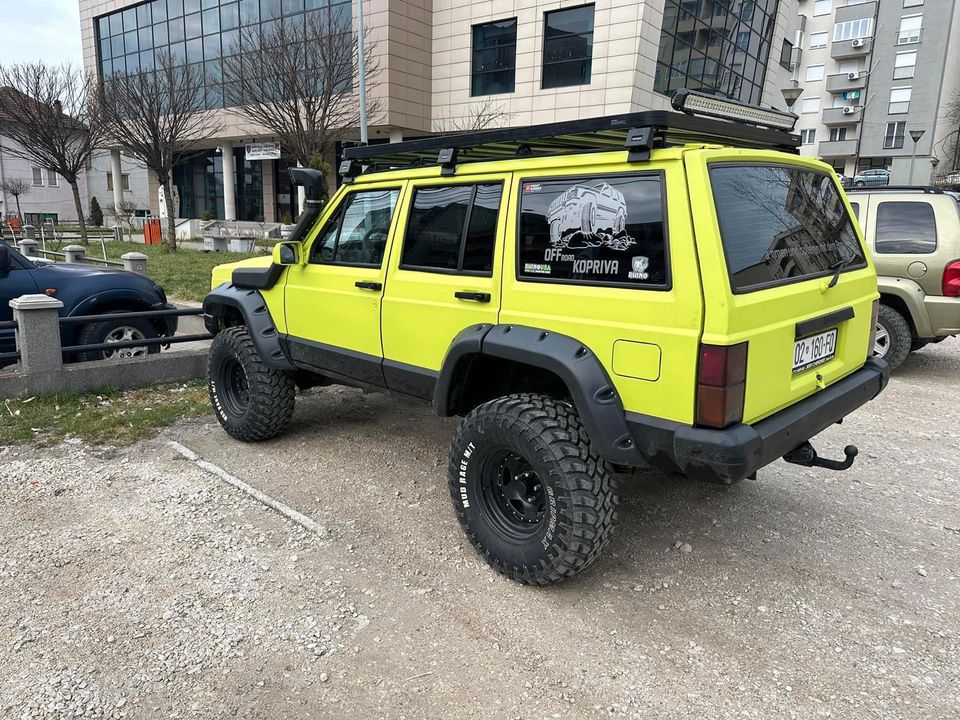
[{"x": 839, "y": 267}]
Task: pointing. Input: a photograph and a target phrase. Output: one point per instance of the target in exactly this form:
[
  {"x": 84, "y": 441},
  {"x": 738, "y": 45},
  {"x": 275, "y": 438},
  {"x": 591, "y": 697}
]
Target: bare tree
[
  {"x": 16, "y": 186},
  {"x": 298, "y": 82},
  {"x": 52, "y": 115},
  {"x": 158, "y": 118},
  {"x": 123, "y": 214},
  {"x": 479, "y": 116}
]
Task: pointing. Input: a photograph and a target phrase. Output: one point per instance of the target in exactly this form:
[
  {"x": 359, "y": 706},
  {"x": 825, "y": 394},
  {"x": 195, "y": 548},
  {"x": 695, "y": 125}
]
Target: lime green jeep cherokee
[{"x": 654, "y": 289}]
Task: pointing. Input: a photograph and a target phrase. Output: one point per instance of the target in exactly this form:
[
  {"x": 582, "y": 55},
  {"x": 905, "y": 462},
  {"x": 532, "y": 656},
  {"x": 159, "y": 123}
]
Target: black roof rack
[
  {"x": 926, "y": 189},
  {"x": 637, "y": 132}
]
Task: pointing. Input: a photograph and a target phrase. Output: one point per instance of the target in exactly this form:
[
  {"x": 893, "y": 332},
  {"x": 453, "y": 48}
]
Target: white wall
[
  {"x": 40, "y": 199},
  {"x": 97, "y": 182}
]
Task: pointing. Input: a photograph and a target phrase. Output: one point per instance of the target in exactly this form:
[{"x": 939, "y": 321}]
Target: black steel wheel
[{"x": 532, "y": 495}]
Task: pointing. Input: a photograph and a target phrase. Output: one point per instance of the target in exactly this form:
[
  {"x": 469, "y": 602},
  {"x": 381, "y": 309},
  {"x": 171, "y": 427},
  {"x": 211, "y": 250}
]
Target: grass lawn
[
  {"x": 184, "y": 274},
  {"x": 114, "y": 417}
]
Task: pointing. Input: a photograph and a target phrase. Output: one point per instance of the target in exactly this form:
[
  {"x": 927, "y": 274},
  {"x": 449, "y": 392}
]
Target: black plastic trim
[
  {"x": 410, "y": 380},
  {"x": 256, "y": 317},
  {"x": 809, "y": 327},
  {"x": 336, "y": 361},
  {"x": 726, "y": 456},
  {"x": 467, "y": 343},
  {"x": 257, "y": 278}
]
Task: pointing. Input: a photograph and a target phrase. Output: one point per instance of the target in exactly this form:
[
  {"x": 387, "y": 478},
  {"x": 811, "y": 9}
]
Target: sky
[{"x": 33, "y": 30}]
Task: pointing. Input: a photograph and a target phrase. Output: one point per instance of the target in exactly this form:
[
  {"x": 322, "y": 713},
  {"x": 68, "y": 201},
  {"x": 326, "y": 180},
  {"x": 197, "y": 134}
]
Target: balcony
[
  {"x": 837, "y": 116},
  {"x": 837, "y": 148},
  {"x": 841, "y": 83},
  {"x": 846, "y": 50},
  {"x": 859, "y": 11}
]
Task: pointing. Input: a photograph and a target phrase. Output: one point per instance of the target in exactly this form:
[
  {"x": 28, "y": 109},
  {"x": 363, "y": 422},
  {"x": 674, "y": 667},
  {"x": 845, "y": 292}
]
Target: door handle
[
  {"x": 369, "y": 285},
  {"x": 475, "y": 296}
]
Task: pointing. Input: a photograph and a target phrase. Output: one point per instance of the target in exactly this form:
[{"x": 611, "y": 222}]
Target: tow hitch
[{"x": 804, "y": 454}]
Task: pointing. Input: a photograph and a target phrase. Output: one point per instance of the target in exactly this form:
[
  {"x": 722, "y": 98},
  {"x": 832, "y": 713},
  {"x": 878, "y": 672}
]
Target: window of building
[
  {"x": 808, "y": 137},
  {"x": 814, "y": 73},
  {"x": 906, "y": 227},
  {"x": 838, "y": 134},
  {"x": 357, "y": 234},
  {"x": 494, "y": 57},
  {"x": 853, "y": 29},
  {"x": 567, "y": 47},
  {"x": 819, "y": 40},
  {"x": 601, "y": 231},
  {"x": 810, "y": 105},
  {"x": 910, "y": 29},
  {"x": 912, "y": 3},
  {"x": 38, "y": 176},
  {"x": 53, "y": 179},
  {"x": 899, "y": 100},
  {"x": 786, "y": 54},
  {"x": 893, "y": 136},
  {"x": 822, "y": 7},
  {"x": 453, "y": 228},
  {"x": 904, "y": 65},
  {"x": 124, "y": 181}
]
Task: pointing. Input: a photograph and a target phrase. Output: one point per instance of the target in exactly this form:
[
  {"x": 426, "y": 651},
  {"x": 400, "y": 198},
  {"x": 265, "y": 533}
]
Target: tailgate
[{"x": 777, "y": 231}]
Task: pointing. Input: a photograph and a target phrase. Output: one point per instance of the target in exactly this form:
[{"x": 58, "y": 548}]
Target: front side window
[
  {"x": 357, "y": 233},
  {"x": 781, "y": 224},
  {"x": 494, "y": 58},
  {"x": 906, "y": 227},
  {"x": 567, "y": 47},
  {"x": 602, "y": 231},
  {"x": 453, "y": 228}
]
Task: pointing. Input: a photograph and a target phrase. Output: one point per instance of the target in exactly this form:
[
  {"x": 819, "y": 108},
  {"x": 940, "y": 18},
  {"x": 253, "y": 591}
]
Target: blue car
[{"x": 85, "y": 290}]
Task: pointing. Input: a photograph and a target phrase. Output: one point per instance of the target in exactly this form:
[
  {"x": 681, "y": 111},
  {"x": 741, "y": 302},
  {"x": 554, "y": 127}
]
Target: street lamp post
[
  {"x": 362, "y": 72},
  {"x": 915, "y": 135}
]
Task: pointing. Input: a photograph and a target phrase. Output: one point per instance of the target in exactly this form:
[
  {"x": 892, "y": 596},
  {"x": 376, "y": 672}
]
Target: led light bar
[{"x": 692, "y": 102}]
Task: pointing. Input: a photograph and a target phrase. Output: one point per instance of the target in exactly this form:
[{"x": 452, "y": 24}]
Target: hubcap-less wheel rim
[
  {"x": 235, "y": 388},
  {"x": 881, "y": 343},
  {"x": 123, "y": 334},
  {"x": 513, "y": 495}
]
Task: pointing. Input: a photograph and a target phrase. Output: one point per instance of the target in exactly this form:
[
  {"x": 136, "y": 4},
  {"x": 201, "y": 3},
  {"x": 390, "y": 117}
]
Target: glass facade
[
  {"x": 200, "y": 181},
  {"x": 716, "y": 46},
  {"x": 494, "y": 57}
]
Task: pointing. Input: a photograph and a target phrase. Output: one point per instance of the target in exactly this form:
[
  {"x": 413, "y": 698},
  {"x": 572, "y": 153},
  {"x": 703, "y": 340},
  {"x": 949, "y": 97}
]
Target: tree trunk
[
  {"x": 19, "y": 214},
  {"x": 171, "y": 220},
  {"x": 79, "y": 205}
]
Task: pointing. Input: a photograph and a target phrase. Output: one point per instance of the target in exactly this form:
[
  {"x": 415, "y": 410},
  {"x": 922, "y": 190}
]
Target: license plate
[{"x": 814, "y": 350}]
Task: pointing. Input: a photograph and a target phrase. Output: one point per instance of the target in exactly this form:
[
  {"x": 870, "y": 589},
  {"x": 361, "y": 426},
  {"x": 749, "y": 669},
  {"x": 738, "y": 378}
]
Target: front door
[
  {"x": 14, "y": 283},
  {"x": 444, "y": 276},
  {"x": 332, "y": 301}
]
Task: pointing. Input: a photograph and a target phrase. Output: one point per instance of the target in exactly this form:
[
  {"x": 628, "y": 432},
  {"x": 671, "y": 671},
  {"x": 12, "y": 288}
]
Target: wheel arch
[
  {"x": 487, "y": 361},
  {"x": 226, "y": 303},
  {"x": 906, "y": 297}
]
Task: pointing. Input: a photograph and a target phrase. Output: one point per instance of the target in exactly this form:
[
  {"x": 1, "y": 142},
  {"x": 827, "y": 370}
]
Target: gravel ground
[{"x": 133, "y": 584}]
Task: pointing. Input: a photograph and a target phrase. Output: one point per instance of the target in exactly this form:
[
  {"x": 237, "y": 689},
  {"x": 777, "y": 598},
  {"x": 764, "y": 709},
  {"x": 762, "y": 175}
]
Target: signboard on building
[{"x": 263, "y": 151}]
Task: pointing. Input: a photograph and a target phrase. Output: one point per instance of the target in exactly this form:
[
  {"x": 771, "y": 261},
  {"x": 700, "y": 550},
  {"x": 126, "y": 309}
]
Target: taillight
[
  {"x": 721, "y": 380},
  {"x": 951, "y": 280},
  {"x": 874, "y": 319}
]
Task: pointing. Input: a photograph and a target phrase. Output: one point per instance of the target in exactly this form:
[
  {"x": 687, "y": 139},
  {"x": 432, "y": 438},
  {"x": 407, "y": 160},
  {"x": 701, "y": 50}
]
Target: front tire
[
  {"x": 893, "y": 337},
  {"x": 533, "y": 497},
  {"x": 117, "y": 331},
  {"x": 253, "y": 402}
]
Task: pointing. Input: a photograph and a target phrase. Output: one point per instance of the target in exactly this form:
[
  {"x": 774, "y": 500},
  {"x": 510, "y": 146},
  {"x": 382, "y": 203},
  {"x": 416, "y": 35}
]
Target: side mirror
[
  {"x": 5, "y": 263},
  {"x": 287, "y": 253}
]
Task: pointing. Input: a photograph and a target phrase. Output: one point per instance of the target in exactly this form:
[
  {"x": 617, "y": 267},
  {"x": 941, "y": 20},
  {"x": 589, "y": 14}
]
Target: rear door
[{"x": 772, "y": 230}]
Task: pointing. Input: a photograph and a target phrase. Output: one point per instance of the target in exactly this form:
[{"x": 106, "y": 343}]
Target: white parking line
[{"x": 280, "y": 507}]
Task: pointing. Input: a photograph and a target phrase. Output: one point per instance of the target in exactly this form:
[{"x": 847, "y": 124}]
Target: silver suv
[{"x": 914, "y": 235}]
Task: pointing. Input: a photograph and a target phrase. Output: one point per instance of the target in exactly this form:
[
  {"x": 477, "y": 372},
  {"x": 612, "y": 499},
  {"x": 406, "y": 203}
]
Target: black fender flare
[
  {"x": 594, "y": 395},
  {"x": 256, "y": 316}
]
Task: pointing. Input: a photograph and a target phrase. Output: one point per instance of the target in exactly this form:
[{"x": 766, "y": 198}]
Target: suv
[
  {"x": 729, "y": 321},
  {"x": 914, "y": 236},
  {"x": 85, "y": 290}
]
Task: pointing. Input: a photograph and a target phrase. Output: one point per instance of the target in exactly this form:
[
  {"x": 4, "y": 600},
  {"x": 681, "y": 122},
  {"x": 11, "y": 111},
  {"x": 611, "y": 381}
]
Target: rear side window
[
  {"x": 453, "y": 228},
  {"x": 781, "y": 224},
  {"x": 602, "y": 231},
  {"x": 909, "y": 228}
]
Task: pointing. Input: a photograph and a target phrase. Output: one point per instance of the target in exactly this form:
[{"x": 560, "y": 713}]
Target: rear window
[
  {"x": 600, "y": 230},
  {"x": 781, "y": 224},
  {"x": 906, "y": 227}
]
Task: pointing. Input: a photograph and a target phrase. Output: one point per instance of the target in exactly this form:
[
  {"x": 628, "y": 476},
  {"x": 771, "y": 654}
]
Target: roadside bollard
[
  {"x": 135, "y": 262},
  {"x": 75, "y": 253},
  {"x": 28, "y": 247},
  {"x": 38, "y": 333},
  {"x": 29, "y": 232}
]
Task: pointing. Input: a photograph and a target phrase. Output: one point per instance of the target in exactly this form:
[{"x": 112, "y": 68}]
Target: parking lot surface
[{"x": 134, "y": 584}]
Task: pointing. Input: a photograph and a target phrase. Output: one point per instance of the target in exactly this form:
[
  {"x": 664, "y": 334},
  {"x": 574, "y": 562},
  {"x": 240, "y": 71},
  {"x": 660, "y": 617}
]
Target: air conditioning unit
[
  {"x": 853, "y": 76},
  {"x": 858, "y": 43},
  {"x": 849, "y": 110}
]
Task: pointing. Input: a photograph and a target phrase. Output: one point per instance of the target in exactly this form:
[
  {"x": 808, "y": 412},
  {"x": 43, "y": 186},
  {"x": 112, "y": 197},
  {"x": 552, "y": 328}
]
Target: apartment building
[
  {"x": 442, "y": 61},
  {"x": 874, "y": 75}
]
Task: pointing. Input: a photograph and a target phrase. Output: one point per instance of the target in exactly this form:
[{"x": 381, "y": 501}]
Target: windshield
[{"x": 781, "y": 224}]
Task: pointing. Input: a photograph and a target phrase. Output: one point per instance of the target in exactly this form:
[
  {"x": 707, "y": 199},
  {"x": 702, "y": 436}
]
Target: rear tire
[
  {"x": 253, "y": 402},
  {"x": 532, "y": 496},
  {"x": 893, "y": 337}
]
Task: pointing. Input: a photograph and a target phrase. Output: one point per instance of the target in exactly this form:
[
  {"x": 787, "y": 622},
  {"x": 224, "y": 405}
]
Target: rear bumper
[
  {"x": 729, "y": 455},
  {"x": 944, "y": 314}
]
